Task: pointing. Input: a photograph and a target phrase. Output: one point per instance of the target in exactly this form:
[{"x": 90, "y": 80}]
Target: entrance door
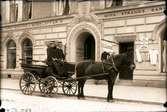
[
  {"x": 89, "y": 48},
  {"x": 125, "y": 73},
  {"x": 85, "y": 47}
]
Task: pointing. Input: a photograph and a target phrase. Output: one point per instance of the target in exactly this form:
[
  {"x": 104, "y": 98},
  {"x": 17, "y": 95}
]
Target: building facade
[{"x": 86, "y": 28}]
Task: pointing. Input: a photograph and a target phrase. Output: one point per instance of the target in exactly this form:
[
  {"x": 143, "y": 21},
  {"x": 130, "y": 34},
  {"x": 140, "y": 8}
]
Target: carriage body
[
  {"x": 48, "y": 83},
  {"x": 39, "y": 70}
]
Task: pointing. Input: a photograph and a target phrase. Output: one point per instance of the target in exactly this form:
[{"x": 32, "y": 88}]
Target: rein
[{"x": 112, "y": 64}]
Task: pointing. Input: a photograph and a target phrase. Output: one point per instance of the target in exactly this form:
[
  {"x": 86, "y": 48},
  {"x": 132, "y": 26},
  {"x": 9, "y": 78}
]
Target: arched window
[
  {"x": 27, "y": 51},
  {"x": 11, "y": 54},
  {"x": 13, "y": 11}
]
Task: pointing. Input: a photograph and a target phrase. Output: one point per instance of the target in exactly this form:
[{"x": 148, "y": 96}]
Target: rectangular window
[
  {"x": 117, "y": 2},
  {"x": 13, "y": 11},
  {"x": 11, "y": 55},
  {"x": 27, "y": 9}
]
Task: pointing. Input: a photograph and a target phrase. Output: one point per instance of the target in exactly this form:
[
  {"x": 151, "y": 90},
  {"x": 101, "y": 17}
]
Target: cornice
[
  {"x": 134, "y": 10},
  {"x": 36, "y": 22}
]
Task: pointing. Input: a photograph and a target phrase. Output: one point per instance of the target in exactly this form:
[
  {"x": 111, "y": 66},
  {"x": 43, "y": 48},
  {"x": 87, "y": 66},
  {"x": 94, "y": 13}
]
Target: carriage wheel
[
  {"x": 27, "y": 83},
  {"x": 48, "y": 86},
  {"x": 69, "y": 87}
]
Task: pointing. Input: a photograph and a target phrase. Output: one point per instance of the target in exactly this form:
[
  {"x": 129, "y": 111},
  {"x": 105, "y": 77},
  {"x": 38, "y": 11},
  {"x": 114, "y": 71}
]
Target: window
[
  {"x": 27, "y": 9},
  {"x": 117, "y": 2},
  {"x": 27, "y": 51},
  {"x": 108, "y": 3},
  {"x": 13, "y": 11},
  {"x": 67, "y": 8},
  {"x": 11, "y": 54},
  {"x": 62, "y": 7}
]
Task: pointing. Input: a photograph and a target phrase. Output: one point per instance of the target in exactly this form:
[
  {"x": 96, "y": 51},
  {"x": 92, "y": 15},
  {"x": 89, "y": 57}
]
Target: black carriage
[{"x": 48, "y": 83}]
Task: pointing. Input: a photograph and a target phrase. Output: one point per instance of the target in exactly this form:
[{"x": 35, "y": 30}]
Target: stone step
[
  {"x": 142, "y": 83},
  {"x": 150, "y": 77},
  {"x": 148, "y": 72}
]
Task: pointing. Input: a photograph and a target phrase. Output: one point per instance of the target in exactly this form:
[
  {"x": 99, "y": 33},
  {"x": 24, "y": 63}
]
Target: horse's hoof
[
  {"x": 83, "y": 97},
  {"x": 111, "y": 100}
]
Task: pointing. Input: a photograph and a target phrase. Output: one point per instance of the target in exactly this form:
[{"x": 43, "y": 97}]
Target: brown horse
[{"x": 112, "y": 68}]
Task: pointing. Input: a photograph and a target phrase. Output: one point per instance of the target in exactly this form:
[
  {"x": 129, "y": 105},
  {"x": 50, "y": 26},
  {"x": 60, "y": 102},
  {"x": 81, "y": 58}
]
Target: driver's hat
[{"x": 49, "y": 43}]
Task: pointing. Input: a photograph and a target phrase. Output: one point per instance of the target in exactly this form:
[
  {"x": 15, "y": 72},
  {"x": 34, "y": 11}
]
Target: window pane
[
  {"x": 11, "y": 54},
  {"x": 27, "y": 51}
]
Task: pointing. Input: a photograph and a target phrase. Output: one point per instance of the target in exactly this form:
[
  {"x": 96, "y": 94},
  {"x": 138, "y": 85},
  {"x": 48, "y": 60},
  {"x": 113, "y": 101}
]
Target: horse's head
[
  {"x": 130, "y": 61},
  {"x": 122, "y": 59}
]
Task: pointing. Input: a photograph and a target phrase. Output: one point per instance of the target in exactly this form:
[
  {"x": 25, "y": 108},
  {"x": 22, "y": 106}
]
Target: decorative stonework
[
  {"x": 73, "y": 35},
  {"x": 85, "y": 18},
  {"x": 26, "y": 34},
  {"x": 83, "y": 23},
  {"x": 9, "y": 36}
]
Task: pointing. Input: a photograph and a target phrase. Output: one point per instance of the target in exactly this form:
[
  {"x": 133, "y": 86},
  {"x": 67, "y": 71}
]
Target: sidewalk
[{"x": 126, "y": 93}]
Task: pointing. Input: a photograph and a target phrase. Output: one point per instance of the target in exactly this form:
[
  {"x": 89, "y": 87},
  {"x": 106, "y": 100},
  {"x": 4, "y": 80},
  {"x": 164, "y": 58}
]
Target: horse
[{"x": 102, "y": 71}]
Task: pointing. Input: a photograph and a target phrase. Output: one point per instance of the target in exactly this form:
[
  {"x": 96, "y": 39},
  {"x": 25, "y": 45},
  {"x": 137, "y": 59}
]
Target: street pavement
[
  {"x": 15, "y": 101},
  {"x": 150, "y": 95}
]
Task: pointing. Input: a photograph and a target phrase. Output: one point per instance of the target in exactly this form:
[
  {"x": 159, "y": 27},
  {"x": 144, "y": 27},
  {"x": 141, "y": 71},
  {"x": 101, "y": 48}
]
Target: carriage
[{"x": 49, "y": 84}]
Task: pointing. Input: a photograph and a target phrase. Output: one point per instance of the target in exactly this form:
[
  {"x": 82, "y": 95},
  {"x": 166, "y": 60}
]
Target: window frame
[
  {"x": 11, "y": 63},
  {"x": 27, "y": 51}
]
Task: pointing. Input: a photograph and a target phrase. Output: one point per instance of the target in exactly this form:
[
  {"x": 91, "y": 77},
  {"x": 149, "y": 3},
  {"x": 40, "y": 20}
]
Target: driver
[{"x": 51, "y": 54}]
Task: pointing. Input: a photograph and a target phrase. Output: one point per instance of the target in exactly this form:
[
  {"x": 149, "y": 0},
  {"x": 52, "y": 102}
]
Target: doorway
[
  {"x": 85, "y": 47},
  {"x": 125, "y": 73}
]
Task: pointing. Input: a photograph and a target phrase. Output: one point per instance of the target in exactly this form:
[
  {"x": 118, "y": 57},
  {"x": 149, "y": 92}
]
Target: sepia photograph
[{"x": 83, "y": 56}]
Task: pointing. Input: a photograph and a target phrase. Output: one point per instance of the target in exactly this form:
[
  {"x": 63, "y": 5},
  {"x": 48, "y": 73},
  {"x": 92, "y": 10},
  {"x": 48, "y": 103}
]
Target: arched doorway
[
  {"x": 77, "y": 37},
  {"x": 85, "y": 47}
]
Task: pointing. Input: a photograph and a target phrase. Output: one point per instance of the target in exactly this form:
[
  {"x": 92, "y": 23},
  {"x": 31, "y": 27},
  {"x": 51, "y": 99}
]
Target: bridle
[{"x": 112, "y": 63}]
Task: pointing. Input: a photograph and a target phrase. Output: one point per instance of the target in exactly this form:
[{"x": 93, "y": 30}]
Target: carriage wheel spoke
[
  {"x": 27, "y": 83},
  {"x": 69, "y": 87},
  {"x": 48, "y": 86}
]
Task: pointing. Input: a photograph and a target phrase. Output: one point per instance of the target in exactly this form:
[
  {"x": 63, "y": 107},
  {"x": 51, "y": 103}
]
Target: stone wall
[{"x": 143, "y": 25}]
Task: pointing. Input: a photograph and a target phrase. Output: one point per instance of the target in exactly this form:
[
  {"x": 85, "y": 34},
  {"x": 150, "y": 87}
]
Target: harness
[{"x": 112, "y": 65}]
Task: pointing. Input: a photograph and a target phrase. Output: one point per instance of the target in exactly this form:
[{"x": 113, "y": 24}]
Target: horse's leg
[
  {"x": 82, "y": 88},
  {"x": 79, "y": 88},
  {"x": 112, "y": 80},
  {"x": 110, "y": 90},
  {"x": 108, "y": 96}
]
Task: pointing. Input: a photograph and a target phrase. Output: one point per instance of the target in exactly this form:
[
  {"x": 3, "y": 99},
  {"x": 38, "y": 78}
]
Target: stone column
[
  {"x": 108, "y": 3},
  {"x": 164, "y": 56},
  {"x": 60, "y": 7},
  {"x": 101, "y": 4},
  {"x": 73, "y": 4},
  {"x": 20, "y": 10},
  {"x": 5, "y": 11},
  {"x": 54, "y": 3},
  {"x": 84, "y": 7}
]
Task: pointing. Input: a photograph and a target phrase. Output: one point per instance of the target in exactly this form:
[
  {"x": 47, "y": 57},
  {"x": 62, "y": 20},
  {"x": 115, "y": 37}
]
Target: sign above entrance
[
  {"x": 125, "y": 38},
  {"x": 126, "y": 11}
]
